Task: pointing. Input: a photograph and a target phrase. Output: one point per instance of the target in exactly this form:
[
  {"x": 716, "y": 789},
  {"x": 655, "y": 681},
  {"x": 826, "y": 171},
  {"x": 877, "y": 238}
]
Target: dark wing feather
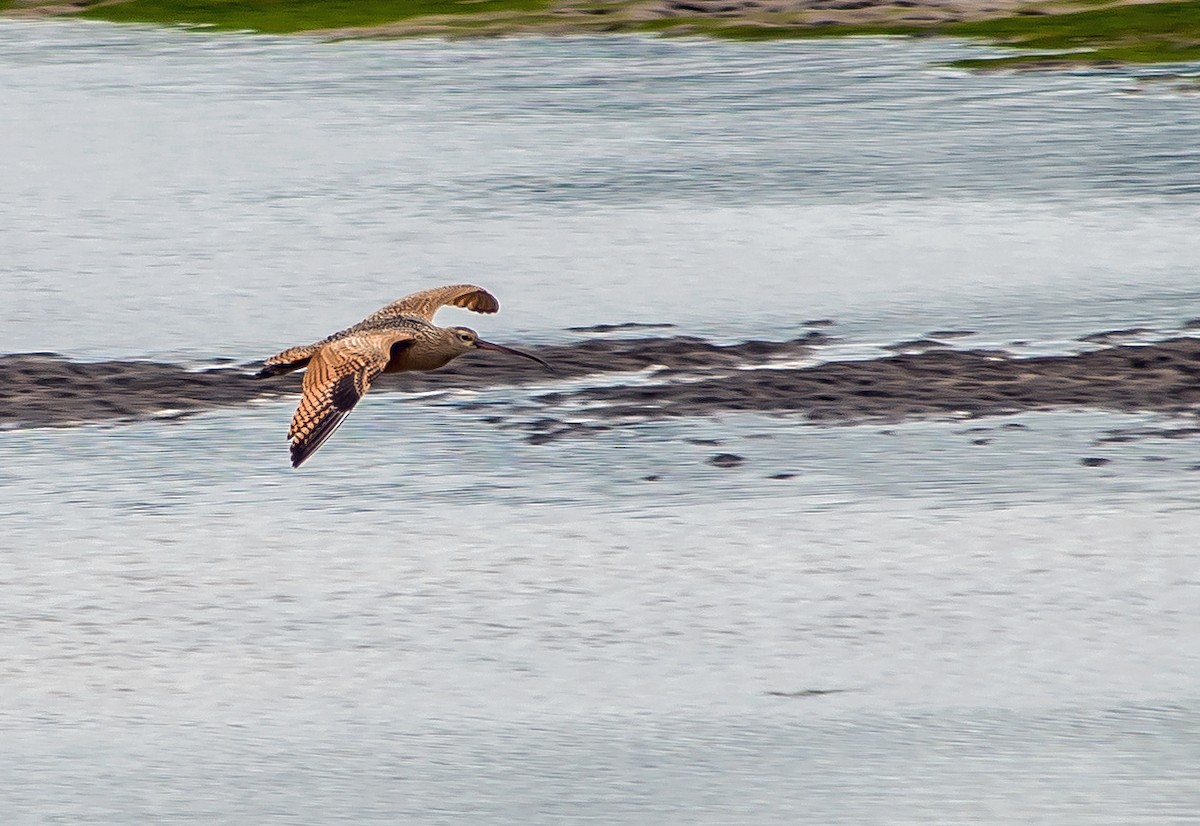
[
  {"x": 427, "y": 302},
  {"x": 338, "y": 376}
]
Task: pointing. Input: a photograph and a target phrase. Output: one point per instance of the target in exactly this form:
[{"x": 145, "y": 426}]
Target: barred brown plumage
[{"x": 339, "y": 369}]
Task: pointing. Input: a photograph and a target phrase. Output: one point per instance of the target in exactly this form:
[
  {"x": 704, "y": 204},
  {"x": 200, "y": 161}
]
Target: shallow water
[
  {"x": 183, "y": 195},
  {"x": 438, "y": 622}
]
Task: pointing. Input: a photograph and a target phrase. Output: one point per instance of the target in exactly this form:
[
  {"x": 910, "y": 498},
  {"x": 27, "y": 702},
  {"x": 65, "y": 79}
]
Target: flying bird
[{"x": 393, "y": 339}]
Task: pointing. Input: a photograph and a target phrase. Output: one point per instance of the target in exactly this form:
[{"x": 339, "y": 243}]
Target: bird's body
[{"x": 395, "y": 339}]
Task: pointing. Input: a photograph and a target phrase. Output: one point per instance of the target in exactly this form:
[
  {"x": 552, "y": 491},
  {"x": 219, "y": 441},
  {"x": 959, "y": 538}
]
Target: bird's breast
[{"x": 415, "y": 358}]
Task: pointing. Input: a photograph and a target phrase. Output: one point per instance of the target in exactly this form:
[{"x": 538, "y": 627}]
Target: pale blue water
[{"x": 436, "y": 622}]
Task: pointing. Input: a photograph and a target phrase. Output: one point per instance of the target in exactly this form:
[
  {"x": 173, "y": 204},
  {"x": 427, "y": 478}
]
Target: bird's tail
[{"x": 293, "y": 358}]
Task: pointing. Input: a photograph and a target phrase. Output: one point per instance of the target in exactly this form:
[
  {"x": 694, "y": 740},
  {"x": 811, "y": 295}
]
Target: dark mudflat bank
[
  {"x": 47, "y": 389},
  {"x": 678, "y": 376},
  {"x": 1163, "y": 376}
]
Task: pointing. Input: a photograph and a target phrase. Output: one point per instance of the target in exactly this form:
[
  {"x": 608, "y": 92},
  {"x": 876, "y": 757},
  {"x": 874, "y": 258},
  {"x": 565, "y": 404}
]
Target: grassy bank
[
  {"x": 291, "y": 16},
  {"x": 1104, "y": 31},
  {"x": 1149, "y": 33}
]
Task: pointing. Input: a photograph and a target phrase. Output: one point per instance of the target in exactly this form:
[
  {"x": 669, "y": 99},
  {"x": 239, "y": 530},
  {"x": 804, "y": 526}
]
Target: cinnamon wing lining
[
  {"x": 427, "y": 302},
  {"x": 337, "y": 377}
]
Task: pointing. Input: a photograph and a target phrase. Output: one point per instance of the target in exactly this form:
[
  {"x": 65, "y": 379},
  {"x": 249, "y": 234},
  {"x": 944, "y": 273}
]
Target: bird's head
[{"x": 465, "y": 339}]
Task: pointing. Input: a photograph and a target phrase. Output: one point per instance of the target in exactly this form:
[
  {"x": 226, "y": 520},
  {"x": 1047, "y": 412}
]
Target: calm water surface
[{"x": 436, "y": 622}]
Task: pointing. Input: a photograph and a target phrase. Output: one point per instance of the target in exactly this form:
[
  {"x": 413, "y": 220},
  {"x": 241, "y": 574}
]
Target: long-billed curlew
[{"x": 396, "y": 338}]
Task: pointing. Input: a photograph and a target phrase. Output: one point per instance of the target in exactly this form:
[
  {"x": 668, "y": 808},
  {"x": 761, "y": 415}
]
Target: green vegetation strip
[
  {"x": 289, "y": 16},
  {"x": 1138, "y": 33},
  {"x": 1134, "y": 33},
  {"x": 1146, "y": 33}
]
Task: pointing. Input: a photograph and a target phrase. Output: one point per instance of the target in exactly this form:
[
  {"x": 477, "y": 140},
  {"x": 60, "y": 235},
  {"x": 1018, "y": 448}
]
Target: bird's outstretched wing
[
  {"x": 293, "y": 358},
  {"x": 338, "y": 375},
  {"x": 427, "y": 302}
]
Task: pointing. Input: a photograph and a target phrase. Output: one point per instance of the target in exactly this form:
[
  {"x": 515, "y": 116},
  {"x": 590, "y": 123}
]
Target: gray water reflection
[
  {"x": 663, "y": 771},
  {"x": 438, "y": 622},
  {"x": 175, "y": 194},
  {"x": 397, "y": 451},
  {"x": 471, "y": 628}
]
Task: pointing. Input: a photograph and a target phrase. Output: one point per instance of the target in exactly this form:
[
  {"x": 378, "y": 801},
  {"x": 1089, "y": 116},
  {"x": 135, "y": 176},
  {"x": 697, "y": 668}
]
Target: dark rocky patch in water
[
  {"x": 682, "y": 376},
  {"x": 612, "y": 328},
  {"x": 916, "y": 345},
  {"x": 1113, "y": 336},
  {"x": 1137, "y": 434},
  {"x": 1164, "y": 377},
  {"x": 726, "y": 460},
  {"x": 48, "y": 389}
]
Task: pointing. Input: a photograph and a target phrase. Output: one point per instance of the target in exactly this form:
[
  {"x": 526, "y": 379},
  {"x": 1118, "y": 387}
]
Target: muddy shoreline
[
  {"x": 1099, "y": 33},
  {"x": 639, "y": 379},
  {"x": 607, "y": 16}
]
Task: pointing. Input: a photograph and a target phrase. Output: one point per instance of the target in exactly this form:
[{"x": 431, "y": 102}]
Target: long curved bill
[{"x": 500, "y": 348}]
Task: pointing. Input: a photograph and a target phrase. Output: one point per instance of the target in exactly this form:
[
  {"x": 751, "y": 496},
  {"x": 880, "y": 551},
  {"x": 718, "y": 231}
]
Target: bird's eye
[{"x": 464, "y": 336}]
